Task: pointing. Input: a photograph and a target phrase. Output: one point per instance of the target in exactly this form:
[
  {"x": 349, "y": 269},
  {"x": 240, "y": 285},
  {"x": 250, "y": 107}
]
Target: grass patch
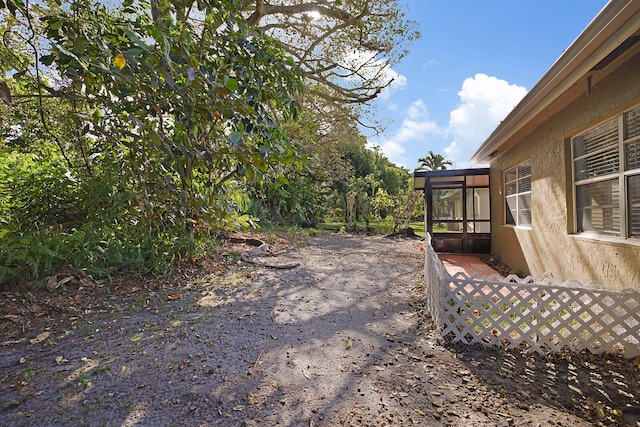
[{"x": 383, "y": 226}]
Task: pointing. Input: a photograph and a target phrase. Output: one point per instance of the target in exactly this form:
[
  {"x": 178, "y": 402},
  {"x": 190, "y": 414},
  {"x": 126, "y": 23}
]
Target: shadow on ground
[{"x": 341, "y": 340}]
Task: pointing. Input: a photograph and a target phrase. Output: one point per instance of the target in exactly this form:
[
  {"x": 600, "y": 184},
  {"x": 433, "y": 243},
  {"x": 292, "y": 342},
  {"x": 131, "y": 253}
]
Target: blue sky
[{"x": 474, "y": 63}]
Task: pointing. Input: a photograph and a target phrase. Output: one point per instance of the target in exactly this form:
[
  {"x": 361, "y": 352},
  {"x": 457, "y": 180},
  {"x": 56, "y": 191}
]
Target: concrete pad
[{"x": 465, "y": 263}]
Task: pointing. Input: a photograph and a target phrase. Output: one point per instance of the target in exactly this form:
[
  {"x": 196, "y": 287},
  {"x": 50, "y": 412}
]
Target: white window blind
[
  {"x": 633, "y": 189},
  {"x": 517, "y": 190},
  {"x": 606, "y": 161}
]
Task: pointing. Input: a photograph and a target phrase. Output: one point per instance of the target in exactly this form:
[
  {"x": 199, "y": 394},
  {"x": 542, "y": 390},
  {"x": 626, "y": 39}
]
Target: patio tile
[{"x": 465, "y": 263}]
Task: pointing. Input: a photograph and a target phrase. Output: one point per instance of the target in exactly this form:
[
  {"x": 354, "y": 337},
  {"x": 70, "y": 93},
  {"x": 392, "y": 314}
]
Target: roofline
[
  {"x": 617, "y": 21},
  {"x": 425, "y": 175},
  {"x": 451, "y": 172}
]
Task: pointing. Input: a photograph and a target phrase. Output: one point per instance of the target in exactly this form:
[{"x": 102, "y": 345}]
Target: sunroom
[{"x": 457, "y": 207}]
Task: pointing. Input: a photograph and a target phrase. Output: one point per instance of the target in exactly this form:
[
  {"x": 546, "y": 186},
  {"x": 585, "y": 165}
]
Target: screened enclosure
[{"x": 457, "y": 209}]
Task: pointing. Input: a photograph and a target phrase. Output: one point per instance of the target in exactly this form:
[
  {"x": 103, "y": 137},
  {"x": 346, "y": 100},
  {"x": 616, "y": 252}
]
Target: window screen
[{"x": 517, "y": 190}]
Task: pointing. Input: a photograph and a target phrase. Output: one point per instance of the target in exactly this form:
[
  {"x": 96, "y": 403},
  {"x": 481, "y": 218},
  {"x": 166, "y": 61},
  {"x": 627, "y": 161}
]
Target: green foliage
[
  {"x": 139, "y": 132},
  {"x": 407, "y": 207},
  {"x": 517, "y": 272},
  {"x": 382, "y": 203},
  {"x": 294, "y": 198},
  {"x": 136, "y": 134},
  {"x": 370, "y": 172},
  {"x": 35, "y": 190},
  {"x": 382, "y": 226},
  {"x": 26, "y": 255},
  {"x": 97, "y": 251},
  {"x": 342, "y": 177},
  {"x": 433, "y": 162},
  {"x": 311, "y": 232},
  {"x": 185, "y": 122}
]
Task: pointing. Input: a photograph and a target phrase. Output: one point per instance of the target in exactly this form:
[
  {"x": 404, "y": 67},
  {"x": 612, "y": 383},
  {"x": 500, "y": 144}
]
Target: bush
[
  {"x": 53, "y": 219},
  {"x": 100, "y": 251}
]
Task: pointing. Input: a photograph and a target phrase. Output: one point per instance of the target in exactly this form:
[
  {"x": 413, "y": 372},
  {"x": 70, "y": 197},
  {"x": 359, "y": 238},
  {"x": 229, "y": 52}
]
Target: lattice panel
[
  {"x": 434, "y": 275},
  {"x": 543, "y": 315}
]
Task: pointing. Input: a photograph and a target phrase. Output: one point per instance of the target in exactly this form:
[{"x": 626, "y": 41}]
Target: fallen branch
[
  {"x": 405, "y": 232},
  {"x": 252, "y": 260},
  {"x": 261, "y": 249},
  {"x": 253, "y": 371}
]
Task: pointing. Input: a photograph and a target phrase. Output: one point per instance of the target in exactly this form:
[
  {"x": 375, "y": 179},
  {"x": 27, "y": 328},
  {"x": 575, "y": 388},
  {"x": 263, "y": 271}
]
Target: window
[
  {"x": 517, "y": 190},
  {"x": 606, "y": 171}
]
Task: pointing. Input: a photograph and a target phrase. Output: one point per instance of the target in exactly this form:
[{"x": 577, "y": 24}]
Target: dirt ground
[{"x": 342, "y": 339}]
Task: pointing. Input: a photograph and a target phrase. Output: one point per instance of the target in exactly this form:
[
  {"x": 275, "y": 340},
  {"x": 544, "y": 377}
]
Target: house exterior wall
[{"x": 549, "y": 246}]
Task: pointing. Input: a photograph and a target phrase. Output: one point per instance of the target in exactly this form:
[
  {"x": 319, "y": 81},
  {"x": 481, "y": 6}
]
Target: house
[{"x": 564, "y": 165}]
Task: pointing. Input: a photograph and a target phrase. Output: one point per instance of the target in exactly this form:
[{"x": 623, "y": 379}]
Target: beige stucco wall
[{"x": 549, "y": 247}]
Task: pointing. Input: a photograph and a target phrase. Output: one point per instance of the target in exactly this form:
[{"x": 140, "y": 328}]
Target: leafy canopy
[{"x": 152, "y": 123}]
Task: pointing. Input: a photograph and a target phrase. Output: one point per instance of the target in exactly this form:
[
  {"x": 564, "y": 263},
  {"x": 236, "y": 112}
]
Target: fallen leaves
[
  {"x": 174, "y": 297},
  {"x": 253, "y": 370},
  {"x": 414, "y": 374},
  {"x": 41, "y": 337},
  {"x": 597, "y": 407},
  {"x": 10, "y": 342},
  {"x": 12, "y": 317},
  {"x": 53, "y": 283},
  {"x": 60, "y": 360}
]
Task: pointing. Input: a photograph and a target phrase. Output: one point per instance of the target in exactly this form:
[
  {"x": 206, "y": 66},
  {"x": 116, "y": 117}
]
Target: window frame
[
  {"x": 622, "y": 177},
  {"x": 518, "y": 194}
]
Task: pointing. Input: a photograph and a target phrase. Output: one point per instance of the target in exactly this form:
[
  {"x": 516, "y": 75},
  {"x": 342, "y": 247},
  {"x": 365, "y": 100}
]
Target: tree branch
[{"x": 262, "y": 10}]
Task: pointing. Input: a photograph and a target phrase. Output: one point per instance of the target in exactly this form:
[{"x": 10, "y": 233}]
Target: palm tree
[{"x": 433, "y": 162}]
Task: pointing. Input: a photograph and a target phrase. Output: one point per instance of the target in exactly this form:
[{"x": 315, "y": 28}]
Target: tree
[
  {"x": 433, "y": 162},
  {"x": 346, "y": 47},
  {"x": 405, "y": 208},
  {"x": 157, "y": 123},
  {"x": 368, "y": 168},
  {"x": 382, "y": 203},
  {"x": 189, "y": 110}
]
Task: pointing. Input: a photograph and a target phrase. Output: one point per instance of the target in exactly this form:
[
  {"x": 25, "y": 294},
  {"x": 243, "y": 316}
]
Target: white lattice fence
[
  {"x": 434, "y": 276},
  {"x": 543, "y": 315}
]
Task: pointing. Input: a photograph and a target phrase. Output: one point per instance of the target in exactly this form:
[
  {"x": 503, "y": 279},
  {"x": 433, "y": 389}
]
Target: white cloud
[
  {"x": 416, "y": 127},
  {"x": 430, "y": 63},
  {"x": 393, "y": 107},
  {"x": 484, "y": 102},
  {"x": 393, "y": 151},
  {"x": 398, "y": 82},
  {"x": 452, "y": 151}
]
